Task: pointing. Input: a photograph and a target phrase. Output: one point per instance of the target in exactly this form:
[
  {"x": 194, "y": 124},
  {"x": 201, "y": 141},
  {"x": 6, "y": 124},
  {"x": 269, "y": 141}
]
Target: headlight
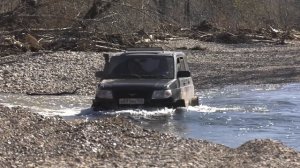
[
  {"x": 104, "y": 94},
  {"x": 161, "y": 94}
]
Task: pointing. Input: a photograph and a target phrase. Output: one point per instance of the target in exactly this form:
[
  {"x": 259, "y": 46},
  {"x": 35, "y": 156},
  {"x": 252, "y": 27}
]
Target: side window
[{"x": 180, "y": 64}]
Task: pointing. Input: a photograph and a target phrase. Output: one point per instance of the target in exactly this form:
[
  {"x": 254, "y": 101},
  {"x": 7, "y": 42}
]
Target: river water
[{"x": 231, "y": 115}]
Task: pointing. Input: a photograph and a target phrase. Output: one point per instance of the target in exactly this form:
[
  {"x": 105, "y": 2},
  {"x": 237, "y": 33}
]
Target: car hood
[{"x": 137, "y": 83}]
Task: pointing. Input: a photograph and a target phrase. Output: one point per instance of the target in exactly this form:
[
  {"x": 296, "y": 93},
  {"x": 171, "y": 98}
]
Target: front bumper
[{"x": 114, "y": 103}]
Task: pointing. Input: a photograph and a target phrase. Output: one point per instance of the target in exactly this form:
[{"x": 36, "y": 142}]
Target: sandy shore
[{"x": 31, "y": 140}]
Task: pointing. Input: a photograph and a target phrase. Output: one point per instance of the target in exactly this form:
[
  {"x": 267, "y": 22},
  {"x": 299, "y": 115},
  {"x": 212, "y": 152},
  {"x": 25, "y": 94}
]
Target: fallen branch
[
  {"x": 53, "y": 94},
  {"x": 264, "y": 41},
  {"x": 106, "y": 48},
  {"x": 105, "y": 43}
]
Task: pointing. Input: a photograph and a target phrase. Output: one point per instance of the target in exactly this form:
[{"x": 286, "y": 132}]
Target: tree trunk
[
  {"x": 187, "y": 12},
  {"x": 162, "y": 8}
]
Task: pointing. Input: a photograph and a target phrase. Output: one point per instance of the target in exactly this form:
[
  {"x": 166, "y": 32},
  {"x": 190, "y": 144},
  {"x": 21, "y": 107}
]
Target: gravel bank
[
  {"x": 31, "y": 140},
  {"x": 50, "y": 72},
  {"x": 218, "y": 65},
  {"x": 223, "y": 64}
]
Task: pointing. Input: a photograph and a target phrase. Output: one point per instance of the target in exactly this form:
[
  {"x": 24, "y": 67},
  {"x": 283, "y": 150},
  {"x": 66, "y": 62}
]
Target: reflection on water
[
  {"x": 48, "y": 105},
  {"x": 230, "y": 115}
]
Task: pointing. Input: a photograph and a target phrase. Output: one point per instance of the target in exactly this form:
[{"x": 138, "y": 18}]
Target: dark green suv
[{"x": 145, "y": 77}]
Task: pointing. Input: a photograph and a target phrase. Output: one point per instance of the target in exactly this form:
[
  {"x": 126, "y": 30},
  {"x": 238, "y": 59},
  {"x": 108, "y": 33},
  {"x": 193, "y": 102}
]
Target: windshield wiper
[
  {"x": 157, "y": 76},
  {"x": 127, "y": 76}
]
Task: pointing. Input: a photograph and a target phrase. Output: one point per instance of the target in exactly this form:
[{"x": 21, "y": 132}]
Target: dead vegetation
[
  {"x": 76, "y": 39},
  {"x": 112, "y": 25}
]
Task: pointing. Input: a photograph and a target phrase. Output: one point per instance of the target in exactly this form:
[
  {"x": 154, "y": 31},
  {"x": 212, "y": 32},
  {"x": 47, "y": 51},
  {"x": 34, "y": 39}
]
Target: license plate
[{"x": 131, "y": 101}]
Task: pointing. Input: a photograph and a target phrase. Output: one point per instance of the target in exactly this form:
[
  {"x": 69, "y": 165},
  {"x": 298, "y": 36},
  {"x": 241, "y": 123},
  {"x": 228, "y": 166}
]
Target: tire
[
  {"x": 95, "y": 107},
  {"x": 180, "y": 103},
  {"x": 195, "y": 101},
  {"x": 101, "y": 107}
]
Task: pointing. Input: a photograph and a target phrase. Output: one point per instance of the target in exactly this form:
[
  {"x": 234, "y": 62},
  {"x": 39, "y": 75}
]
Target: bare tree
[{"x": 187, "y": 12}]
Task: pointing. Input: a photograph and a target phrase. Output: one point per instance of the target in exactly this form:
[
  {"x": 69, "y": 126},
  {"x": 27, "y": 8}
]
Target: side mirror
[
  {"x": 106, "y": 58},
  {"x": 183, "y": 74},
  {"x": 99, "y": 74}
]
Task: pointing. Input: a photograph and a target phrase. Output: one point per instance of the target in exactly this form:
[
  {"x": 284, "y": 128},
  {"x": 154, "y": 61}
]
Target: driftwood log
[
  {"x": 52, "y": 94},
  {"x": 78, "y": 39}
]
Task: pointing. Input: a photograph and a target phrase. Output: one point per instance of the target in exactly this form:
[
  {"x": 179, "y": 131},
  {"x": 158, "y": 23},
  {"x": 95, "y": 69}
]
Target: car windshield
[{"x": 141, "y": 67}]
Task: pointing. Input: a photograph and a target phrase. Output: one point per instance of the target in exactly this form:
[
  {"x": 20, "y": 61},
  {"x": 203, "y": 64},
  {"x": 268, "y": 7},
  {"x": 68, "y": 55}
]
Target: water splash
[
  {"x": 48, "y": 105},
  {"x": 211, "y": 109},
  {"x": 145, "y": 113}
]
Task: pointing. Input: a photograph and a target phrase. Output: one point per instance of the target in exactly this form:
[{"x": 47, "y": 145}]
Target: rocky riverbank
[
  {"x": 215, "y": 65},
  {"x": 31, "y": 140},
  {"x": 50, "y": 72}
]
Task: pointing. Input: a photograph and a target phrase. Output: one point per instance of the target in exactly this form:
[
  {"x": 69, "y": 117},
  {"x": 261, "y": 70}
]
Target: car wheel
[
  {"x": 95, "y": 108},
  {"x": 181, "y": 103},
  {"x": 195, "y": 101}
]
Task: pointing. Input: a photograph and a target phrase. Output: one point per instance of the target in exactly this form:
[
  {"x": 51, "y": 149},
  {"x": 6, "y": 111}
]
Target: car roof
[{"x": 148, "y": 52}]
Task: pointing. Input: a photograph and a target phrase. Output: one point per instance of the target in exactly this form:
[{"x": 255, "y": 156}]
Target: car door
[{"x": 185, "y": 83}]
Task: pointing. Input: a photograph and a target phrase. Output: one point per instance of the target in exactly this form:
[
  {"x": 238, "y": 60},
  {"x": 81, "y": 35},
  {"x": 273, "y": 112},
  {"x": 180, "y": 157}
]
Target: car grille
[{"x": 130, "y": 93}]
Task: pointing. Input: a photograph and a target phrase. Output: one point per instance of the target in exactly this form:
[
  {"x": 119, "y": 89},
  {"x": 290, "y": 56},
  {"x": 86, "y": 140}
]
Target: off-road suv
[{"x": 147, "y": 77}]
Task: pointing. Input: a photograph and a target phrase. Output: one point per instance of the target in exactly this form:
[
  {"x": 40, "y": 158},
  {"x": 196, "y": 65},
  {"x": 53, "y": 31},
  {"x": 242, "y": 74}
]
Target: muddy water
[{"x": 229, "y": 116}]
